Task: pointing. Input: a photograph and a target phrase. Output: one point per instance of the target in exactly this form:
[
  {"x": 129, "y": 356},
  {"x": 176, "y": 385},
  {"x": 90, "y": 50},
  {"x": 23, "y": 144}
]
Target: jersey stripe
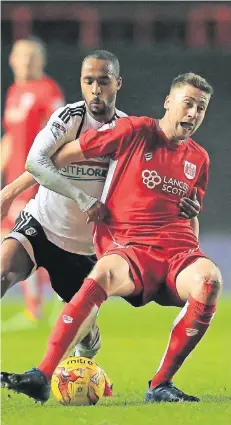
[
  {"x": 68, "y": 112},
  {"x": 81, "y": 124},
  {"x": 110, "y": 175},
  {"x": 65, "y": 118}
]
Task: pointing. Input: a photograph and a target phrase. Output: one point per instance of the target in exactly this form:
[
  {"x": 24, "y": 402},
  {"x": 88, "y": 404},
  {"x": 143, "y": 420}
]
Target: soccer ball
[{"x": 78, "y": 381}]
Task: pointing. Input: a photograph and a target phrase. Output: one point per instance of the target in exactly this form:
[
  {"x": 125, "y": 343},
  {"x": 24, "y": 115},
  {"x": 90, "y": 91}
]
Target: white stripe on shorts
[{"x": 25, "y": 219}]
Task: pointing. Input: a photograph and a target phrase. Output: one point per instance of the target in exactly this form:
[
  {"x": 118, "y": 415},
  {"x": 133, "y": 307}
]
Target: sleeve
[
  {"x": 40, "y": 165},
  {"x": 202, "y": 181},
  {"x": 50, "y": 138},
  {"x": 111, "y": 139}
]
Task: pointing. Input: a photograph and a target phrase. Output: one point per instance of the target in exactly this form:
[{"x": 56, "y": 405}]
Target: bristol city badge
[{"x": 189, "y": 170}]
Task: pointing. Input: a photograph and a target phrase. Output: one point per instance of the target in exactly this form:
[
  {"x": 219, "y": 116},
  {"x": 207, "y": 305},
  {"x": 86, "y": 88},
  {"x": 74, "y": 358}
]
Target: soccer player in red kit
[
  {"x": 30, "y": 101},
  {"x": 146, "y": 251}
]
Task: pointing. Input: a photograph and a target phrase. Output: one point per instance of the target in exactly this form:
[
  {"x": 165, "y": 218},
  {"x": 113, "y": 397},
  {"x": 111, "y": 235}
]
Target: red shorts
[{"x": 154, "y": 270}]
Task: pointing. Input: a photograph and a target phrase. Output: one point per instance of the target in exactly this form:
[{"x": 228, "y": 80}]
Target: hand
[
  {"x": 5, "y": 202},
  {"x": 190, "y": 207},
  {"x": 98, "y": 212}
]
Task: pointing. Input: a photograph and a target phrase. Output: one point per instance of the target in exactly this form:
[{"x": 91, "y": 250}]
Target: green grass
[{"x": 133, "y": 343}]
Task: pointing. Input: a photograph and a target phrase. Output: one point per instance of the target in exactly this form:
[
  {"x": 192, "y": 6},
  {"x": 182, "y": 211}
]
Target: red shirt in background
[{"x": 28, "y": 106}]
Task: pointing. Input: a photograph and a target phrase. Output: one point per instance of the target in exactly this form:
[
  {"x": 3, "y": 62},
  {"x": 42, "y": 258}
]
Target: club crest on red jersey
[
  {"x": 148, "y": 156},
  {"x": 189, "y": 170}
]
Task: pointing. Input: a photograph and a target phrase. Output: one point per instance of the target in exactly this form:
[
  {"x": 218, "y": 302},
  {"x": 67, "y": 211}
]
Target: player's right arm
[
  {"x": 195, "y": 226},
  {"x": 91, "y": 144},
  {"x": 54, "y": 135},
  {"x": 109, "y": 140}
]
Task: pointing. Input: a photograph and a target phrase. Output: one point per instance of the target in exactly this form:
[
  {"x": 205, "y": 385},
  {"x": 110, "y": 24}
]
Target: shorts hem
[{"x": 138, "y": 285}]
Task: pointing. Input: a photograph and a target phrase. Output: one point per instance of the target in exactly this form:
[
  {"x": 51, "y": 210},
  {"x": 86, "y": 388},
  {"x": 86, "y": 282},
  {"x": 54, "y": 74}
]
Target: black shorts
[{"x": 66, "y": 270}]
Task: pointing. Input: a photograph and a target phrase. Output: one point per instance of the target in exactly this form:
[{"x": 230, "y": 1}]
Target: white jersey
[{"x": 63, "y": 222}]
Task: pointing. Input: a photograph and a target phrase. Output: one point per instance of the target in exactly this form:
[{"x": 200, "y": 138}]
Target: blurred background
[{"x": 154, "y": 41}]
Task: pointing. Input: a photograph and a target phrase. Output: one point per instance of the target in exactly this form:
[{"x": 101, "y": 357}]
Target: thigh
[
  {"x": 67, "y": 271},
  {"x": 112, "y": 272},
  {"x": 18, "y": 259},
  {"x": 147, "y": 268},
  {"x": 30, "y": 234},
  {"x": 16, "y": 264}
]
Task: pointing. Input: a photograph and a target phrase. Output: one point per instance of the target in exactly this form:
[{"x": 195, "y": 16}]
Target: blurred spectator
[{"x": 30, "y": 101}]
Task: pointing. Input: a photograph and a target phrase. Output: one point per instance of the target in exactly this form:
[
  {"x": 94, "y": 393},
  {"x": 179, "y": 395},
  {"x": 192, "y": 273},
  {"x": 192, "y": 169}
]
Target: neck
[
  {"x": 38, "y": 76},
  {"x": 102, "y": 118},
  {"x": 168, "y": 131}
]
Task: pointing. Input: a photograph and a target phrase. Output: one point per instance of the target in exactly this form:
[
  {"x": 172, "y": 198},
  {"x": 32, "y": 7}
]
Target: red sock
[
  {"x": 188, "y": 329},
  {"x": 73, "y": 315}
]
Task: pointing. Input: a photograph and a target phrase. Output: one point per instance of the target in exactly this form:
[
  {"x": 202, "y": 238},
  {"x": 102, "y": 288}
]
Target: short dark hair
[
  {"x": 106, "y": 56},
  {"x": 193, "y": 80}
]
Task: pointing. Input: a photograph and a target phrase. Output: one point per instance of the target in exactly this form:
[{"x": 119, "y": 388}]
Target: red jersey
[
  {"x": 29, "y": 105},
  {"x": 146, "y": 179}
]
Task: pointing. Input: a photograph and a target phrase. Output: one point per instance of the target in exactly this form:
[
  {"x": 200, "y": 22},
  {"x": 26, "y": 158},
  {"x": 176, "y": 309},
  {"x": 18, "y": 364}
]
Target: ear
[
  {"x": 166, "y": 102},
  {"x": 119, "y": 83}
]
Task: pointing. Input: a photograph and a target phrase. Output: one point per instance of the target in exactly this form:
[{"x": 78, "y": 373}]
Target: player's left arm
[
  {"x": 195, "y": 226},
  {"x": 190, "y": 206},
  {"x": 195, "y": 201},
  {"x": 108, "y": 140},
  {"x": 91, "y": 144}
]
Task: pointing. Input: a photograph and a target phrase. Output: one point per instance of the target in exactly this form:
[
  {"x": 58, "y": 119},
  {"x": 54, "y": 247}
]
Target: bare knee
[
  {"x": 5, "y": 283},
  {"x": 209, "y": 284},
  {"x": 16, "y": 264},
  {"x": 8, "y": 277},
  {"x": 212, "y": 282},
  {"x": 200, "y": 280},
  {"x": 112, "y": 274},
  {"x": 104, "y": 276}
]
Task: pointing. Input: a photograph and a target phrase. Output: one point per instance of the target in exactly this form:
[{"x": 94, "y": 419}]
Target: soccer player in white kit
[{"x": 51, "y": 231}]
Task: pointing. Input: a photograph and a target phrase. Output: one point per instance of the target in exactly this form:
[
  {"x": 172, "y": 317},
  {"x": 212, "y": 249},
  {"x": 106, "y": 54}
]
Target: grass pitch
[{"x": 133, "y": 343}]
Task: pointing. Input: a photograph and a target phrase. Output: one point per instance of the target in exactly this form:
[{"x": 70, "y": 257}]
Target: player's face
[
  {"x": 99, "y": 88},
  {"x": 186, "y": 107},
  {"x": 26, "y": 60}
]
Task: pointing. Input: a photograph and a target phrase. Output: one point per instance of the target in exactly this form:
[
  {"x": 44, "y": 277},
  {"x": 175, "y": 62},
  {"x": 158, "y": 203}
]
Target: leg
[
  {"x": 18, "y": 259},
  {"x": 74, "y": 268},
  {"x": 110, "y": 276},
  {"x": 90, "y": 343},
  {"x": 199, "y": 286},
  {"x": 16, "y": 264}
]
